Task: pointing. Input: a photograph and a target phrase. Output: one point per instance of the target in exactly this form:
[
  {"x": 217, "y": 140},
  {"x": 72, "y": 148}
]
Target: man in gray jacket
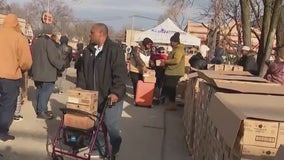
[{"x": 46, "y": 64}]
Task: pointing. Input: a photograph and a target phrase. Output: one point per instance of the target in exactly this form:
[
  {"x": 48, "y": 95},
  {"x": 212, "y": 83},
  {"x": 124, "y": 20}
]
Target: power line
[{"x": 139, "y": 16}]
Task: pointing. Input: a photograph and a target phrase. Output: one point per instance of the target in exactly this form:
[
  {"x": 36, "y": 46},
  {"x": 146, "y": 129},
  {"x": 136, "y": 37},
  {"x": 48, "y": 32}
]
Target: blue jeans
[
  {"x": 43, "y": 93},
  {"x": 9, "y": 91},
  {"x": 112, "y": 119}
]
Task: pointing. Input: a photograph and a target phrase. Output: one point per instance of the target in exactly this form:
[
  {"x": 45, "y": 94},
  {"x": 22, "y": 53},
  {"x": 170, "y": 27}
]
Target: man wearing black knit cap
[{"x": 174, "y": 70}]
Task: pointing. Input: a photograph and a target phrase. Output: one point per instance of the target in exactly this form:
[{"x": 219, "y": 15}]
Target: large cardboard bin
[
  {"x": 204, "y": 139},
  {"x": 249, "y": 125}
]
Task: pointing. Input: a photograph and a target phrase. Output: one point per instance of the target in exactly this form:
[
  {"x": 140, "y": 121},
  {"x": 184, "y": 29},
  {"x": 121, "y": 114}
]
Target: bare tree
[
  {"x": 264, "y": 56},
  {"x": 64, "y": 20},
  {"x": 176, "y": 11},
  {"x": 32, "y": 12},
  {"x": 178, "y": 3},
  {"x": 4, "y": 7},
  {"x": 172, "y": 13},
  {"x": 245, "y": 8},
  {"x": 18, "y": 10},
  {"x": 215, "y": 12},
  {"x": 81, "y": 30}
]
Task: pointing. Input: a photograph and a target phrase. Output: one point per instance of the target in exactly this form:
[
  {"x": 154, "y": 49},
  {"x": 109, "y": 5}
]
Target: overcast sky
[{"x": 117, "y": 13}]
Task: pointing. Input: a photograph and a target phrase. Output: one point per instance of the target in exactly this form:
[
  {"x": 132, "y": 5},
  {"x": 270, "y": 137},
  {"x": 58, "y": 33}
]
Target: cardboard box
[
  {"x": 158, "y": 62},
  {"x": 79, "y": 121},
  {"x": 260, "y": 152},
  {"x": 207, "y": 140},
  {"x": 228, "y": 67},
  {"x": 248, "y": 120},
  {"x": 225, "y": 67},
  {"x": 242, "y": 82},
  {"x": 149, "y": 77},
  {"x": 238, "y": 68},
  {"x": 215, "y": 67},
  {"x": 80, "y": 96},
  {"x": 260, "y": 133},
  {"x": 87, "y": 108}
]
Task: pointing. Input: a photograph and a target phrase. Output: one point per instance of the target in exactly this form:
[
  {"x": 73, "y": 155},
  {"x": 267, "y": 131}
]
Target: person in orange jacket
[{"x": 15, "y": 59}]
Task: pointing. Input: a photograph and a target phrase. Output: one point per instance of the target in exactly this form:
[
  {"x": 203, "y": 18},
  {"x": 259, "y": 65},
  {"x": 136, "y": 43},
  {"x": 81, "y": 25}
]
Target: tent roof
[{"x": 163, "y": 32}]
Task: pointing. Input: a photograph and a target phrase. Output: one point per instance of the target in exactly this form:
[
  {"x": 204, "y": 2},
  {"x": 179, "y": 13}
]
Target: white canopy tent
[{"x": 163, "y": 32}]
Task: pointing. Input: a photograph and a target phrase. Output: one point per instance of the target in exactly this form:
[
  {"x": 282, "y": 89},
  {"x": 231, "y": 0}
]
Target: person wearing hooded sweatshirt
[
  {"x": 46, "y": 64},
  {"x": 15, "y": 59},
  {"x": 174, "y": 70}
]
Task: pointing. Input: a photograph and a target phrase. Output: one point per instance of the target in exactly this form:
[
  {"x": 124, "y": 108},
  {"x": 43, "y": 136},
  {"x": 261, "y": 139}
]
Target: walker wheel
[{"x": 56, "y": 157}]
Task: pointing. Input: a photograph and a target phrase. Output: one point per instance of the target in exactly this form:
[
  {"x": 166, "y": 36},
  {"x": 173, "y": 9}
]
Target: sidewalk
[{"x": 148, "y": 133}]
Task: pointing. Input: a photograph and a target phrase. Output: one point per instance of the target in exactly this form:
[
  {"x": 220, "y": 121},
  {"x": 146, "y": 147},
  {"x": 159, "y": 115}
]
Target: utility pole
[
  {"x": 132, "y": 25},
  {"x": 131, "y": 34},
  {"x": 48, "y": 6}
]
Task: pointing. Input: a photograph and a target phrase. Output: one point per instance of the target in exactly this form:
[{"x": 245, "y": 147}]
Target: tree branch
[
  {"x": 254, "y": 32},
  {"x": 255, "y": 13}
]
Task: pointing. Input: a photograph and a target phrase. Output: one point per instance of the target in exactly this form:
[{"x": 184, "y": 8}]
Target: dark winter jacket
[
  {"x": 66, "y": 54},
  {"x": 46, "y": 60},
  {"x": 79, "y": 59},
  {"x": 249, "y": 63},
  {"x": 275, "y": 73},
  {"x": 110, "y": 69},
  {"x": 218, "y": 59},
  {"x": 197, "y": 61}
]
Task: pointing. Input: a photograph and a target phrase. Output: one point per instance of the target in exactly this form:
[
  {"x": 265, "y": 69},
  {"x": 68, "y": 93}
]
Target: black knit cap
[
  {"x": 175, "y": 37},
  {"x": 64, "y": 40},
  {"x": 146, "y": 41}
]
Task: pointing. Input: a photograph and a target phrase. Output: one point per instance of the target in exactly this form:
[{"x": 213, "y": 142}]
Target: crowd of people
[
  {"x": 100, "y": 66},
  {"x": 247, "y": 59},
  {"x": 170, "y": 69}
]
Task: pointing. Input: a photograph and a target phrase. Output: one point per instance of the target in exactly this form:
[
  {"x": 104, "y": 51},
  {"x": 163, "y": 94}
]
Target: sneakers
[
  {"x": 45, "y": 115},
  {"x": 18, "y": 118},
  {"x": 5, "y": 137}
]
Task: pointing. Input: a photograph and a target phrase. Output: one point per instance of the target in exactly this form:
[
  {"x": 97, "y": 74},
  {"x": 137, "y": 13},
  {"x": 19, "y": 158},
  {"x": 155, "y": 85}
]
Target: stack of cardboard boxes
[
  {"x": 224, "y": 67},
  {"x": 233, "y": 116},
  {"x": 191, "y": 91},
  {"x": 81, "y": 100}
]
